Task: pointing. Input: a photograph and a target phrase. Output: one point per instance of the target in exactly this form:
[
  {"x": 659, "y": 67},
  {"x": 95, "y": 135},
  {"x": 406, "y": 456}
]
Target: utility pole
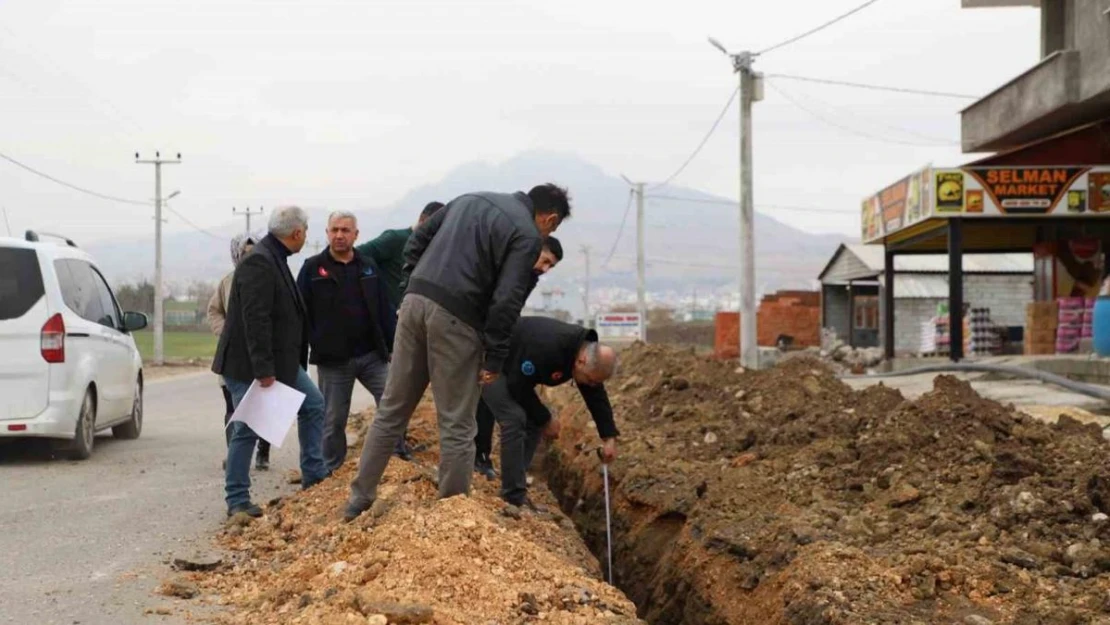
[
  {"x": 641, "y": 297},
  {"x": 586, "y": 293},
  {"x": 247, "y": 213},
  {"x": 751, "y": 90},
  {"x": 159, "y": 315}
]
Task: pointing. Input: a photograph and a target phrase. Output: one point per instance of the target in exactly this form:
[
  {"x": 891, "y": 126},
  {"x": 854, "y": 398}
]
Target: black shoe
[
  {"x": 224, "y": 465},
  {"x": 484, "y": 467},
  {"x": 249, "y": 509},
  {"x": 262, "y": 462},
  {"x": 403, "y": 452},
  {"x": 528, "y": 504},
  {"x": 354, "y": 511}
]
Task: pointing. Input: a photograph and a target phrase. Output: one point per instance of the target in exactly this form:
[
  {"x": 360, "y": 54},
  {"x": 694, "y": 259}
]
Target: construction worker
[
  {"x": 549, "y": 352},
  {"x": 551, "y": 255}
]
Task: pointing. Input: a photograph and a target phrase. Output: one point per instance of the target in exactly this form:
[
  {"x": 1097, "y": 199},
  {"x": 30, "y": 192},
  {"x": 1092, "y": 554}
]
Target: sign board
[
  {"x": 622, "y": 326},
  {"x": 985, "y": 192},
  {"x": 902, "y": 204}
]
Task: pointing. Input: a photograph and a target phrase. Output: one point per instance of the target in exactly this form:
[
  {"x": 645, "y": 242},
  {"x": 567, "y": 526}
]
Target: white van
[{"x": 68, "y": 363}]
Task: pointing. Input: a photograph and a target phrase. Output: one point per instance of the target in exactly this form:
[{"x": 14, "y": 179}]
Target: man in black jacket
[
  {"x": 352, "y": 323},
  {"x": 551, "y": 255},
  {"x": 265, "y": 338},
  {"x": 549, "y": 352},
  {"x": 469, "y": 267}
]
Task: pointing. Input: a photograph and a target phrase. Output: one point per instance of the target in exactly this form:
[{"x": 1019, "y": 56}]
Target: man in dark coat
[
  {"x": 551, "y": 255},
  {"x": 549, "y": 352},
  {"x": 352, "y": 324},
  {"x": 469, "y": 267},
  {"x": 265, "y": 339}
]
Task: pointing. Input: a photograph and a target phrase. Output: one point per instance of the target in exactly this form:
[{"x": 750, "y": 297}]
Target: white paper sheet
[{"x": 270, "y": 412}]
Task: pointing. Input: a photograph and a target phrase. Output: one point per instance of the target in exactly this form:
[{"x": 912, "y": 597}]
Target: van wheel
[
  {"x": 86, "y": 428},
  {"x": 134, "y": 427}
]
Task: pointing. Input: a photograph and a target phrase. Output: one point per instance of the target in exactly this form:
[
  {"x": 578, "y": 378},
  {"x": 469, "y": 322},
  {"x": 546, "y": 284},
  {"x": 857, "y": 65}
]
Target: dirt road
[{"x": 86, "y": 542}]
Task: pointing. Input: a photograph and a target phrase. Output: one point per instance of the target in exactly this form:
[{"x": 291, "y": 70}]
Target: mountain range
[{"x": 691, "y": 238}]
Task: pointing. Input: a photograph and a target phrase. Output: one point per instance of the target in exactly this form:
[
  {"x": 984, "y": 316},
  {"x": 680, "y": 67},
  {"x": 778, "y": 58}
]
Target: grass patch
[{"x": 178, "y": 345}]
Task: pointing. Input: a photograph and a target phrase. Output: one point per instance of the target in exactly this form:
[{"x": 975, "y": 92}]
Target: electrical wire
[
  {"x": 844, "y": 110},
  {"x": 804, "y": 209},
  {"x": 102, "y": 196},
  {"x": 620, "y": 230},
  {"x": 166, "y": 206},
  {"x": 848, "y": 129},
  {"x": 818, "y": 29},
  {"x": 860, "y": 85},
  {"x": 701, "y": 145}
]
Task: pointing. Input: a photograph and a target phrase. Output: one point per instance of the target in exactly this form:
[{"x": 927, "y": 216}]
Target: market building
[
  {"x": 853, "y": 278},
  {"x": 1046, "y": 188}
]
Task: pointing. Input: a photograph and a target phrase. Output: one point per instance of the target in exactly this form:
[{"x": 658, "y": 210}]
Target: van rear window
[{"x": 20, "y": 282}]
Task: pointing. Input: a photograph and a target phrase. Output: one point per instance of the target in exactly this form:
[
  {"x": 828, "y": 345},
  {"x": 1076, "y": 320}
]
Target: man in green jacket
[{"x": 388, "y": 252}]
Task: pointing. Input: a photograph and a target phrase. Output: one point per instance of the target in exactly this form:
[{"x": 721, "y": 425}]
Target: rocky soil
[
  {"x": 784, "y": 497},
  {"x": 410, "y": 559}
]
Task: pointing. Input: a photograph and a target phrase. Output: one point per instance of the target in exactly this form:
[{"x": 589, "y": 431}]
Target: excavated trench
[
  {"x": 648, "y": 552},
  {"x": 786, "y": 498}
]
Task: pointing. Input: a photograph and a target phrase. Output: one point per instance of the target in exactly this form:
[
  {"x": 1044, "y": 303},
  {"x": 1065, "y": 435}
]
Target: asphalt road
[{"x": 88, "y": 542}]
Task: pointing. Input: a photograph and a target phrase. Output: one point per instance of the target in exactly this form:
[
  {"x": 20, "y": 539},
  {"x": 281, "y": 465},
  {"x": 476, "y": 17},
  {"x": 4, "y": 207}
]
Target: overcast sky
[{"x": 351, "y": 103}]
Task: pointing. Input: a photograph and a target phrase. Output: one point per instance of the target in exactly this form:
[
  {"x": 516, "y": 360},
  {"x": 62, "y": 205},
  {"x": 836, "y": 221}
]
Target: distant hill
[{"x": 689, "y": 244}]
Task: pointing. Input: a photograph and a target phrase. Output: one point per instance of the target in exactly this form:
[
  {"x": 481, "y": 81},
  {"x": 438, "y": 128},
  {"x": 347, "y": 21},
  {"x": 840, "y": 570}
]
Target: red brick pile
[{"x": 791, "y": 313}]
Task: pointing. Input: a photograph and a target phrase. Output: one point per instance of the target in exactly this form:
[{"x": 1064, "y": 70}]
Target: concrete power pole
[
  {"x": 586, "y": 292},
  {"x": 751, "y": 90},
  {"x": 641, "y": 296},
  {"x": 159, "y": 314},
  {"x": 247, "y": 213}
]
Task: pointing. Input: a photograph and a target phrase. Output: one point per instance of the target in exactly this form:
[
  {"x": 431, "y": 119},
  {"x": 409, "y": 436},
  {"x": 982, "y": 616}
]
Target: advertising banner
[
  {"x": 984, "y": 192},
  {"x": 1026, "y": 190},
  {"x": 902, "y": 204}
]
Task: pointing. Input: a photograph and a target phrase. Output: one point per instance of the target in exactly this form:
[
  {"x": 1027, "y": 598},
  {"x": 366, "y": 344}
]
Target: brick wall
[
  {"x": 726, "y": 337},
  {"x": 793, "y": 313}
]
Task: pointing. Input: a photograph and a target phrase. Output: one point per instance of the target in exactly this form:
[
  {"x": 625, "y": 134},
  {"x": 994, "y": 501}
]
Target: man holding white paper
[{"x": 265, "y": 340}]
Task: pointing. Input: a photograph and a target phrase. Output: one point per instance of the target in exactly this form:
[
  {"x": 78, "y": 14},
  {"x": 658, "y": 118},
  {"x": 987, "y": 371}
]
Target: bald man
[{"x": 548, "y": 352}]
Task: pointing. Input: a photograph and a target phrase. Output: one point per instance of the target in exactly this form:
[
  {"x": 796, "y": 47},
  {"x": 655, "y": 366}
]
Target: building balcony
[{"x": 1039, "y": 103}]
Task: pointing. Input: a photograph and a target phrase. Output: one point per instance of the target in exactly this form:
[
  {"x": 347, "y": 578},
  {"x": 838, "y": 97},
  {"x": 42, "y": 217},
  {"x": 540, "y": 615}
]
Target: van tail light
[{"x": 53, "y": 339}]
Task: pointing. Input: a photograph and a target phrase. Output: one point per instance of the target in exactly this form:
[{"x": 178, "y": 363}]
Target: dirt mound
[
  {"x": 410, "y": 559},
  {"x": 783, "y": 496}
]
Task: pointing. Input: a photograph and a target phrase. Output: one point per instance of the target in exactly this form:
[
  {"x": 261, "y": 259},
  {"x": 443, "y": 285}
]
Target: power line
[
  {"x": 819, "y": 28},
  {"x": 102, "y": 196},
  {"x": 896, "y": 128},
  {"x": 166, "y": 206},
  {"x": 859, "y": 85},
  {"x": 620, "y": 230},
  {"x": 704, "y": 140},
  {"x": 804, "y": 209},
  {"x": 848, "y": 129}
]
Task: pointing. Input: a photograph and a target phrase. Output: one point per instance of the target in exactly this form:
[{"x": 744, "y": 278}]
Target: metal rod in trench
[{"x": 608, "y": 518}]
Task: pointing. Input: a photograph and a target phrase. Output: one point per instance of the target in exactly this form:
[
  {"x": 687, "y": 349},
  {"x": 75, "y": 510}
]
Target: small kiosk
[{"x": 1050, "y": 199}]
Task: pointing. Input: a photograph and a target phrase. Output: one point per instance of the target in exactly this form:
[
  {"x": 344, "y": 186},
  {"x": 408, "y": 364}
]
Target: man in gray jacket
[{"x": 468, "y": 267}]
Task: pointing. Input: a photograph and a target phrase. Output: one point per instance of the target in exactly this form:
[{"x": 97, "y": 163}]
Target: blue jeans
[{"x": 310, "y": 434}]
